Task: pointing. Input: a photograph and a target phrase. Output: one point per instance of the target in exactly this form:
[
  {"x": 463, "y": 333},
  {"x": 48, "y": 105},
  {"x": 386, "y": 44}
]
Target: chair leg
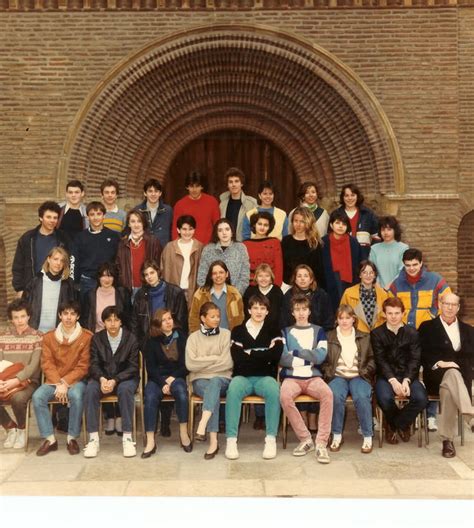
[
  {"x": 420, "y": 433},
  {"x": 425, "y": 427},
  {"x": 284, "y": 430},
  {"x": 27, "y": 424},
  {"x": 461, "y": 427},
  {"x": 191, "y": 419},
  {"x": 142, "y": 418},
  {"x": 380, "y": 419}
]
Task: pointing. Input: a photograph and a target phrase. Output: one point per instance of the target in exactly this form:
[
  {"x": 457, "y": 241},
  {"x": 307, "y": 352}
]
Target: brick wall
[{"x": 417, "y": 62}]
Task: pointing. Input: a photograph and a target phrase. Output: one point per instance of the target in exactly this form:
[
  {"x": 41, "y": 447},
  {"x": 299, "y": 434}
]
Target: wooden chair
[
  {"x": 303, "y": 398},
  {"x": 195, "y": 400},
  {"x": 380, "y": 417},
  {"x": 27, "y": 421},
  {"x": 113, "y": 398},
  {"x": 424, "y": 421}
]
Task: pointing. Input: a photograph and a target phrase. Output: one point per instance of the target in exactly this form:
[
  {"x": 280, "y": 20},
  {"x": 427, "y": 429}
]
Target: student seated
[
  {"x": 164, "y": 356},
  {"x": 349, "y": 369},
  {"x": 65, "y": 364},
  {"x": 304, "y": 350},
  {"x": 20, "y": 345},
  {"x": 209, "y": 363},
  {"x": 256, "y": 349},
  {"x": 113, "y": 370}
]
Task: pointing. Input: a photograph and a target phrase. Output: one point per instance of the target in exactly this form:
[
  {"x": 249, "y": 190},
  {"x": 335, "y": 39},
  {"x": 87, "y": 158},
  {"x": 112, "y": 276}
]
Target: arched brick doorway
[
  {"x": 213, "y": 153},
  {"x": 466, "y": 264},
  {"x": 295, "y": 94}
]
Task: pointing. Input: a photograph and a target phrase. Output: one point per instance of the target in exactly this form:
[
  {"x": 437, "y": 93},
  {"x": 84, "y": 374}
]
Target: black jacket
[
  {"x": 321, "y": 309},
  {"x": 174, "y": 301},
  {"x": 33, "y": 294},
  {"x": 436, "y": 346},
  {"x": 23, "y": 267},
  {"x": 158, "y": 366},
  {"x": 122, "y": 302},
  {"x": 121, "y": 366},
  {"x": 396, "y": 355}
]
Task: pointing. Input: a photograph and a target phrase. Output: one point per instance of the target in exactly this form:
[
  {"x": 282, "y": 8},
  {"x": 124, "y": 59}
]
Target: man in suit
[{"x": 447, "y": 350}]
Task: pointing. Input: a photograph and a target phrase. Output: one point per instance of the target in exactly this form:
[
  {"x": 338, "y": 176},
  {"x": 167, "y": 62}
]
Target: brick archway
[
  {"x": 466, "y": 264},
  {"x": 296, "y": 94}
]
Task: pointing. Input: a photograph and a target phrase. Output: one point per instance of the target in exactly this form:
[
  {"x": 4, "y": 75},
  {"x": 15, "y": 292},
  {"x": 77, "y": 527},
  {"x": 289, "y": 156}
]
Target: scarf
[
  {"x": 368, "y": 299},
  {"x": 60, "y": 336},
  {"x": 53, "y": 277},
  {"x": 341, "y": 256},
  {"x": 209, "y": 331}
]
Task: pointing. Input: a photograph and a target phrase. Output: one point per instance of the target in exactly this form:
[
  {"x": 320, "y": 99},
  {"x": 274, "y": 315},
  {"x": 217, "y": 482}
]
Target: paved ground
[{"x": 403, "y": 471}]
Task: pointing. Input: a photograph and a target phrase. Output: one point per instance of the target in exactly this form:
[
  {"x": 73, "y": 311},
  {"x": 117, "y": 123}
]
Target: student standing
[
  {"x": 308, "y": 196},
  {"x": 73, "y": 216},
  {"x": 234, "y": 203},
  {"x": 159, "y": 214},
  {"x": 203, "y": 207},
  {"x": 114, "y": 217},
  {"x": 34, "y": 246}
]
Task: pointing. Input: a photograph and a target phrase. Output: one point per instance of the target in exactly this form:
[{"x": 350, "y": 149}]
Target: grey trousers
[{"x": 453, "y": 396}]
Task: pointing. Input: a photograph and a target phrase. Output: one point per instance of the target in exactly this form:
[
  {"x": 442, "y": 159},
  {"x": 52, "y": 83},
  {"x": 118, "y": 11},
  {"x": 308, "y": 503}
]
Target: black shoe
[
  {"x": 165, "y": 430},
  {"x": 200, "y": 437},
  {"x": 110, "y": 432},
  {"x": 147, "y": 454},
  {"x": 210, "y": 456},
  {"x": 448, "y": 449},
  {"x": 188, "y": 448}
]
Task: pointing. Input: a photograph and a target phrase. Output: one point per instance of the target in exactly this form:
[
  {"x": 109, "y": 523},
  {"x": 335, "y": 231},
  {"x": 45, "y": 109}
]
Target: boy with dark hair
[
  {"x": 73, "y": 217},
  {"x": 34, "y": 245},
  {"x": 234, "y": 203},
  {"x": 92, "y": 247},
  {"x": 114, "y": 217},
  {"x": 397, "y": 358},
  {"x": 256, "y": 348},
  {"x": 203, "y": 207},
  {"x": 113, "y": 370},
  {"x": 65, "y": 363},
  {"x": 159, "y": 214}
]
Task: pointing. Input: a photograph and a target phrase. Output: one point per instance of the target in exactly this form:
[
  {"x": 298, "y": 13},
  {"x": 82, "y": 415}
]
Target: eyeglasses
[{"x": 450, "y": 305}]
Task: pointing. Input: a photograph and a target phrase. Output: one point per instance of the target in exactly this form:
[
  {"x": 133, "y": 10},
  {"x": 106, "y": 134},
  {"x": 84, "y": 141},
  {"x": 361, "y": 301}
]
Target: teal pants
[{"x": 241, "y": 386}]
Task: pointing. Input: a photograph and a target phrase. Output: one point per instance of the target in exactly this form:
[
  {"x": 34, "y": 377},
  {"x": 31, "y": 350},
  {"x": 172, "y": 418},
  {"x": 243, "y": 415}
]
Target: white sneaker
[
  {"x": 129, "y": 449},
  {"x": 432, "y": 425},
  {"x": 20, "y": 439},
  {"x": 304, "y": 447},
  {"x": 366, "y": 445},
  {"x": 322, "y": 455},
  {"x": 92, "y": 449},
  {"x": 231, "y": 451},
  {"x": 270, "y": 449},
  {"x": 11, "y": 437}
]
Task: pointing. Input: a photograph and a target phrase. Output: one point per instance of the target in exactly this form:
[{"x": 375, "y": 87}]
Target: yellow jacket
[{"x": 351, "y": 297}]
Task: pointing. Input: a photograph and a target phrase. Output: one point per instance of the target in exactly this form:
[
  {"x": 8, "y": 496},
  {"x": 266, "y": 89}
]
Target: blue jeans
[
  {"x": 361, "y": 392},
  {"x": 404, "y": 417},
  {"x": 154, "y": 395},
  {"x": 86, "y": 284},
  {"x": 125, "y": 391},
  {"x": 45, "y": 393},
  {"x": 211, "y": 390},
  {"x": 242, "y": 386},
  {"x": 432, "y": 409}
]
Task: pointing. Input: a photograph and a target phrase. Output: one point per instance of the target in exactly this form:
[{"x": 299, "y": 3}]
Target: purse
[{"x": 10, "y": 373}]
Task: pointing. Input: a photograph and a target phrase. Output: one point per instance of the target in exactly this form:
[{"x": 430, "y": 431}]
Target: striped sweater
[
  {"x": 304, "y": 349},
  {"x": 24, "y": 348}
]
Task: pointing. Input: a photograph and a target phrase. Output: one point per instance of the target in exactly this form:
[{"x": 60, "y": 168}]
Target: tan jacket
[
  {"x": 351, "y": 297},
  {"x": 63, "y": 360},
  {"x": 235, "y": 307},
  {"x": 172, "y": 262}
]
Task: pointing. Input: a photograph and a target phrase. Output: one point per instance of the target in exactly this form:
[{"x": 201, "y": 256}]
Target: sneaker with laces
[
  {"x": 304, "y": 447},
  {"x": 231, "y": 451},
  {"x": 20, "y": 439},
  {"x": 92, "y": 449},
  {"x": 432, "y": 425},
  {"x": 322, "y": 455},
  {"x": 129, "y": 449},
  {"x": 11, "y": 437},
  {"x": 270, "y": 449}
]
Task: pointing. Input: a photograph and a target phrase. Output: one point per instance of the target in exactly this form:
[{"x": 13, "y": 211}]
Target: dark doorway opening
[{"x": 213, "y": 153}]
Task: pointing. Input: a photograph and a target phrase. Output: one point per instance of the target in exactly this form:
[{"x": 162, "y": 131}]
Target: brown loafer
[
  {"x": 46, "y": 447},
  {"x": 390, "y": 435},
  {"x": 73, "y": 447},
  {"x": 200, "y": 437},
  {"x": 210, "y": 456},
  {"x": 448, "y": 449},
  {"x": 404, "y": 434}
]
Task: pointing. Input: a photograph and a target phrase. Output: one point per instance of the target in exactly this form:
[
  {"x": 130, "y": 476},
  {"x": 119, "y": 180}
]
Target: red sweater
[
  {"x": 268, "y": 251},
  {"x": 205, "y": 211}
]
